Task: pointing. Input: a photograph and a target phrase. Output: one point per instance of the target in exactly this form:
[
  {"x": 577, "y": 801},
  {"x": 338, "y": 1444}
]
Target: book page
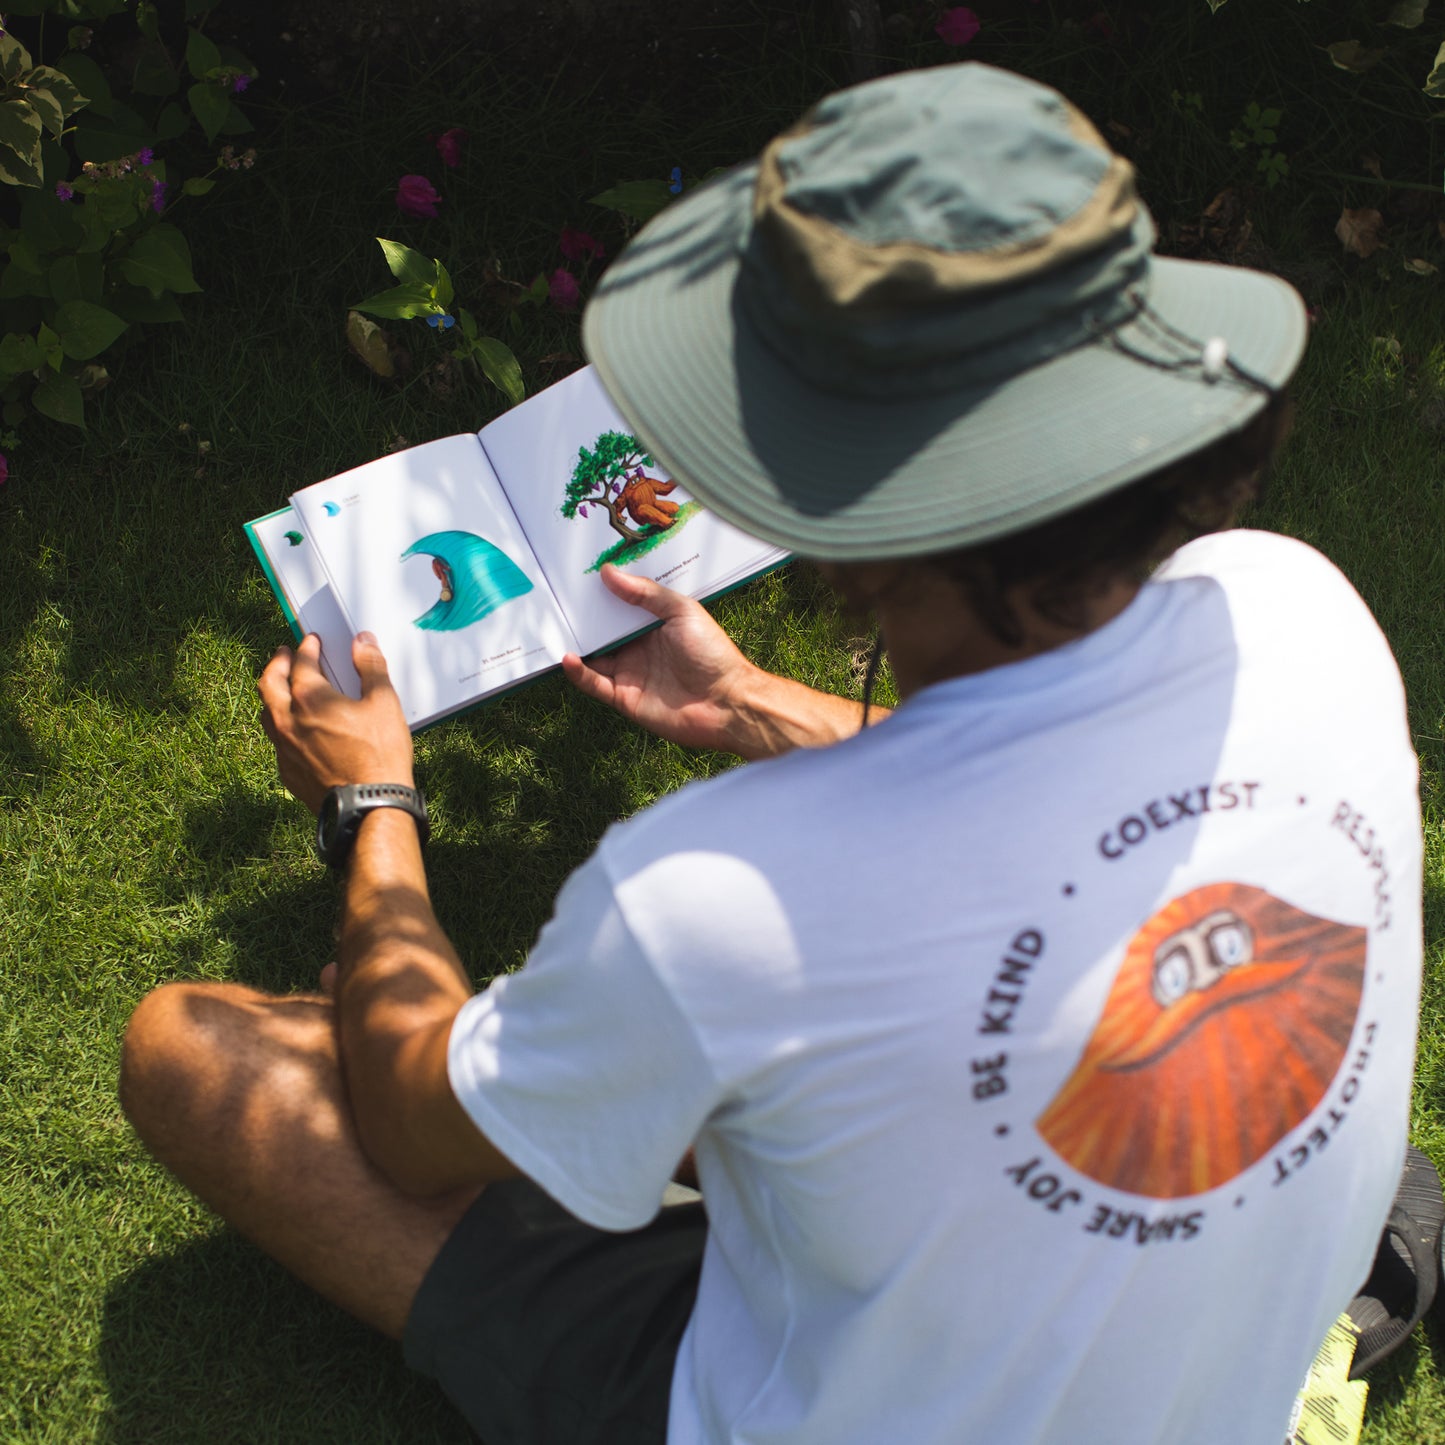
[
  {"x": 586, "y": 492},
  {"x": 423, "y": 551},
  {"x": 299, "y": 579}
]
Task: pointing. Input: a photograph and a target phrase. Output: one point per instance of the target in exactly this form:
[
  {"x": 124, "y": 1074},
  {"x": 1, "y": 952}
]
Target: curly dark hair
[{"x": 1061, "y": 562}]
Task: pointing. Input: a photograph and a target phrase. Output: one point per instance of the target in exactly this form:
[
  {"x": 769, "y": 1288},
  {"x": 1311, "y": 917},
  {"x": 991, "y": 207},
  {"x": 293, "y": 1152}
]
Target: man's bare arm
[{"x": 398, "y": 983}]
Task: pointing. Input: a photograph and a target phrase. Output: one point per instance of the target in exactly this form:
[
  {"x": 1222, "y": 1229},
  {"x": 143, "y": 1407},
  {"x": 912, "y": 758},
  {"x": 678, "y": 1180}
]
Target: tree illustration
[{"x": 604, "y": 477}]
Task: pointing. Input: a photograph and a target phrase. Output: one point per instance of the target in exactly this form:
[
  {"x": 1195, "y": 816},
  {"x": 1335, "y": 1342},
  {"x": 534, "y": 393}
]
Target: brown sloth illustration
[
  {"x": 640, "y": 500},
  {"x": 1228, "y": 1020}
]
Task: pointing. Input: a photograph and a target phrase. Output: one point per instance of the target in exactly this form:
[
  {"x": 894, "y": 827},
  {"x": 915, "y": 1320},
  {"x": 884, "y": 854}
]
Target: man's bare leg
[{"x": 240, "y": 1095}]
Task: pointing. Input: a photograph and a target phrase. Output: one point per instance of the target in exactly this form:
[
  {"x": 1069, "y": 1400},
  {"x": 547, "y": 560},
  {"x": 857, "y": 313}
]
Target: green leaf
[
  {"x": 88, "y": 79},
  {"x": 236, "y": 122},
  {"x": 154, "y": 74},
  {"x": 468, "y": 324},
  {"x": 147, "y": 19},
  {"x": 401, "y": 303},
  {"x": 1435, "y": 81},
  {"x": 20, "y": 133},
  {"x": 16, "y": 283},
  {"x": 210, "y": 106},
  {"x": 19, "y": 353},
  {"x": 1354, "y": 55},
  {"x": 109, "y": 135},
  {"x": 49, "y": 223},
  {"x": 45, "y": 105},
  {"x": 197, "y": 186},
  {"x": 160, "y": 261},
  {"x": 24, "y": 254},
  {"x": 408, "y": 265},
  {"x": 86, "y": 329},
  {"x": 500, "y": 367},
  {"x": 1407, "y": 14},
  {"x": 77, "y": 278},
  {"x": 201, "y": 55},
  {"x": 15, "y": 62},
  {"x": 637, "y": 200},
  {"x": 443, "y": 288},
  {"x": 59, "y": 398},
  {"x": 134, "y": 304},
  {"x": 172, "y": 122}
]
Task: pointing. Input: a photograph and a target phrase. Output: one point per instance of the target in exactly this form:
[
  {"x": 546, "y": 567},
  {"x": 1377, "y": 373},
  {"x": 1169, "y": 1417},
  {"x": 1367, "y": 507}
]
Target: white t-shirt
[{"x": 1047, "y": 1048}]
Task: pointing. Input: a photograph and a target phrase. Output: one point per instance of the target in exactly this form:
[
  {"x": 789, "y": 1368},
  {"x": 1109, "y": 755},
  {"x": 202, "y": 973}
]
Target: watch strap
[{"x": 343, "y": 809}]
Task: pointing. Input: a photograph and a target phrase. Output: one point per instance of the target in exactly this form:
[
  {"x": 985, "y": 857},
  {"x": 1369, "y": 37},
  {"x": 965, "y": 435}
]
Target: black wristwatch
[{"x": 342, "y": 810}]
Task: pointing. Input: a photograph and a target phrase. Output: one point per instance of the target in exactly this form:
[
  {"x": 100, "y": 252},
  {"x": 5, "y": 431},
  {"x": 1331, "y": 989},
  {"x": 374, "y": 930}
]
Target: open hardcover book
[{"x": 475, "y": 560}]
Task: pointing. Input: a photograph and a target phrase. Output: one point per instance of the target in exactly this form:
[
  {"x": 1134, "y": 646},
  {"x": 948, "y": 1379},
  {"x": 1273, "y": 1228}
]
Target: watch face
[{"x": 326, "y": 823}]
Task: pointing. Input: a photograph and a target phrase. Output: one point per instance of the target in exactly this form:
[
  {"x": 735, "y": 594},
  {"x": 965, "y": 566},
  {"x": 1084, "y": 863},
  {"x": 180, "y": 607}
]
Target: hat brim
[{"x": 847, "y": 477}]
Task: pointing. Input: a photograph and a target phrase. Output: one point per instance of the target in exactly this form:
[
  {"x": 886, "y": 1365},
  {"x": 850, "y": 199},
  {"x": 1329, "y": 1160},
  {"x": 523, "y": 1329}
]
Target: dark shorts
[{"x": 542, "y": 1329}]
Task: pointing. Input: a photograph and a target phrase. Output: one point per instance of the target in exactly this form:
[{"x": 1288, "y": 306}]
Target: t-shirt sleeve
[{"x": 580, "y": 1067}]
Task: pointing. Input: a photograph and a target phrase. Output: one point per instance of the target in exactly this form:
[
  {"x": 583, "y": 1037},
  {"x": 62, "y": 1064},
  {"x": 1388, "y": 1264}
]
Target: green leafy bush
[{"x": 90, "y": 247}]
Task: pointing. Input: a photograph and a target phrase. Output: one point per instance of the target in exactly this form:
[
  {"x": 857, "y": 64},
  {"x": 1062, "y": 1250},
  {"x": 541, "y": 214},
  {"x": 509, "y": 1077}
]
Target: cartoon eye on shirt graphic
[{"x": 1227, "y": 1022}]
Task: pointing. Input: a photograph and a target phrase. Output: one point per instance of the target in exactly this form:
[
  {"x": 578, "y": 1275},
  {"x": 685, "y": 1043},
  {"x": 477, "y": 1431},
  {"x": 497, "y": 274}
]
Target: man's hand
[
  {"x": 685, "y": 680},
  {"x": 322, "y": 738}
]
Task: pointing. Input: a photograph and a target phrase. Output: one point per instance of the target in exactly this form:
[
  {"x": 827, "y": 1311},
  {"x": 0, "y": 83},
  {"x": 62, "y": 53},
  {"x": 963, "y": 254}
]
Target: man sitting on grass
[{"x": 1045, "y": 1049}]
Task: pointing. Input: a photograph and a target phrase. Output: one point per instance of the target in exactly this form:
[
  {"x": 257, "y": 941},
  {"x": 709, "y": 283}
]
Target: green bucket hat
[{"x": 924, "y": 317}]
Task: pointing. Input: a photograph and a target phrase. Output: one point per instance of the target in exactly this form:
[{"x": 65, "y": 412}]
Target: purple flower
[
  {"x": 63, "y": 191},
  {"x": 239, "y": 83},
  {"x": 674, "y": 183},
  {"x": 449, "y": 146},
  {"x": 563, "y": 290},
  {"x": 957, "y": 26},
  {"x": 4, "y": 469},
  {"x": 416, "y": 196},
  {"x": 145, "y": 156},
  {"x": 158, "y": 196},
  {"x": 579, "y": 246},
  {"x": 581, "y": 511}
]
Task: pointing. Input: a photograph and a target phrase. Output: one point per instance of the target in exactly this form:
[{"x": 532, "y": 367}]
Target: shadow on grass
[{"x": 216, "y": 1343}]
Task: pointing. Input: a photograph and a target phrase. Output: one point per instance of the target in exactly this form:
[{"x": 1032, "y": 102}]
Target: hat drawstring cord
[{"x": 1211, "y": 357}]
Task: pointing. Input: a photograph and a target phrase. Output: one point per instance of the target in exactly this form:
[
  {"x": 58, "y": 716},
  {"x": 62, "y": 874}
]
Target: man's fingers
[
  {"x": 274, "y": 684},
  {"x": 588, "y": 680},
  {"x": 643, "y": 592},
  {"x": 367, "y": 659}
]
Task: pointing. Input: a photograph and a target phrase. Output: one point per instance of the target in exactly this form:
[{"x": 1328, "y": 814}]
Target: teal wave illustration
[{"x": 476, "y": 578}]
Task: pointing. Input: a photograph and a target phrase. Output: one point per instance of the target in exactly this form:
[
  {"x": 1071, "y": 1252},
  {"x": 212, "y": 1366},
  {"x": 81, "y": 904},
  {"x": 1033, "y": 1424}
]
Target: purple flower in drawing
[
  {"x": 957, "y": 26},
  {"x": 563, "y": 290},
  {"x": 158, "y": 196},
  {"x": 581, "y": 511},
  {"x": 416, "y": 196},
  {"x": 449, "y": 146},
  {"x": 64, "y": 192}
]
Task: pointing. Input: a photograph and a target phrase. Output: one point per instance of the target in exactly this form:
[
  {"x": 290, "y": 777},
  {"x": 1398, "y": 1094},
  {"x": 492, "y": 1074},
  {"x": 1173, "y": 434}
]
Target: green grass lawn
[{"x": 143, "y": 834}]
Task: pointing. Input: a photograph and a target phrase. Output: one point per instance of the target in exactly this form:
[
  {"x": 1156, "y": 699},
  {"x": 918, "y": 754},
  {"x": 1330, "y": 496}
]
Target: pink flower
[
  {"x": 957, "y": 26},
  {"x": 4, "y": 470},
  {"x": 64, "y": 192},
  {"x": 449, "y": 146},
  {"x": 579, "y": 246},
  {"x": 416, "y": 196},
  {"x": 562, "y": 287}
]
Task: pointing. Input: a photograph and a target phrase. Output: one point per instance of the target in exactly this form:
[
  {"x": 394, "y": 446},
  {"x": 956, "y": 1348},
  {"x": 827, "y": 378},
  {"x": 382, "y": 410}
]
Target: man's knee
[{"x": 158, "y": 1052}]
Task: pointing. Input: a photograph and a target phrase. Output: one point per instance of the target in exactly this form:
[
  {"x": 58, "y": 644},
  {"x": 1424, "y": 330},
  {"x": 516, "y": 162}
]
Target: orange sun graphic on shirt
[{"x": 1228, "y": 1019}]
